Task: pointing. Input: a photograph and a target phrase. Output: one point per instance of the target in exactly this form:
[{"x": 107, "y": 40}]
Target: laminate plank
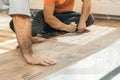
[{"x": 14, "y": 67}]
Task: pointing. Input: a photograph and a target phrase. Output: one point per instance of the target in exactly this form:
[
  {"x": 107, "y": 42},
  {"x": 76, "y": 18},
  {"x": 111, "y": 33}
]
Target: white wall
[
  {"x": 36, "y": 4},
  {"x": 110, "y": 7}
]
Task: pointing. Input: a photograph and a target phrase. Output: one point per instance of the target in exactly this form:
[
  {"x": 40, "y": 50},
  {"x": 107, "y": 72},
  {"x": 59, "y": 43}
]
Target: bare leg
[{"x": 23, "y": 33}]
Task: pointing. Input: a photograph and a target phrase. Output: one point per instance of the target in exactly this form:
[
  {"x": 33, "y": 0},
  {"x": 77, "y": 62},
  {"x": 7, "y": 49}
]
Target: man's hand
[
  {"x": 70, "y": 28},
  {"x": 85, "y": 12},
  {"x": 81, "y": 27}
]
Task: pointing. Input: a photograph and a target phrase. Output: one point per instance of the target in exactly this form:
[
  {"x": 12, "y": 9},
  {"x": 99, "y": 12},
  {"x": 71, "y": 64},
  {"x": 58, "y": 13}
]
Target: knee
[
  {"x": 17, "y": 19},
  {"x": 11, "y": 25},
  {"x": 20, "y": 18},
  {"x": 90, "y": 20}
]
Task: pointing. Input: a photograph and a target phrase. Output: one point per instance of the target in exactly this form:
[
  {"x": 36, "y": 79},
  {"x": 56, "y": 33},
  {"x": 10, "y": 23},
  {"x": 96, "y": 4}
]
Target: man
[
  {"x": 62, "y": 6},
  {"x": 58, "y": 16},
  {"x": 20, "y": 13}
]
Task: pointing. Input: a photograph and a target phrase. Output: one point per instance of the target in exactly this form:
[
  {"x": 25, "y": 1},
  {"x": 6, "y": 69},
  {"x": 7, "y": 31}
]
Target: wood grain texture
[{"x": 14, "y": 67}]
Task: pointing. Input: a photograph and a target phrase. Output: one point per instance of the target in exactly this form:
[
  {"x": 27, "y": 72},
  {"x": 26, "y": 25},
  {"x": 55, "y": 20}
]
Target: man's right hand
[{"x": 71, "y": 28}]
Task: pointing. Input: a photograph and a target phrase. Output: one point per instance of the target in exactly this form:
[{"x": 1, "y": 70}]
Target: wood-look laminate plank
[{"x": 14, "y": 67}]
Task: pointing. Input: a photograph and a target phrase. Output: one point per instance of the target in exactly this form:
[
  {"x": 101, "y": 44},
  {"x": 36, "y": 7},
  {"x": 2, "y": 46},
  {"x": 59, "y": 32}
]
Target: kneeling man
[{"x": 58, "y": 16}]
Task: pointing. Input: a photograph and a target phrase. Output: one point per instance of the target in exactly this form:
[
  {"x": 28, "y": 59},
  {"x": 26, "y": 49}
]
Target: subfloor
[{"x": 102, "y": 65}]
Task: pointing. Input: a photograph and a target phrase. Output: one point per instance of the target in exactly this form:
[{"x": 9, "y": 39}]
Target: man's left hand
[{"x": 81, "y": 27}]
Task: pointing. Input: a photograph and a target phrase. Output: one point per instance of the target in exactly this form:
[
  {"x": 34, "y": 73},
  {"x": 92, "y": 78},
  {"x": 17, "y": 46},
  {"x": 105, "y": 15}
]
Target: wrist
[
  {"x": 82, "y": 24},
  {"x": 63, "y": 27},
  {"x": 82, "y": 21}
]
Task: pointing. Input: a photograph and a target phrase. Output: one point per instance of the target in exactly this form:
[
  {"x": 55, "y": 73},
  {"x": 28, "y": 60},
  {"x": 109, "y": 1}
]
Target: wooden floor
[
  {"x": 5, "y": 32},
  {"x": 66, "y": 50},
  {"x": 6, "y": 35}
]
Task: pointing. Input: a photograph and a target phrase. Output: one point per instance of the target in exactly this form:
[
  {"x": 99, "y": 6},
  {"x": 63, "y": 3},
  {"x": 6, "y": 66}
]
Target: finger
[
  {"x": 72, "y": 23},
  {"x": 49, "y": 61},
  {"x": 44, "y": 63},
  {"x": 81, "y": 30}
]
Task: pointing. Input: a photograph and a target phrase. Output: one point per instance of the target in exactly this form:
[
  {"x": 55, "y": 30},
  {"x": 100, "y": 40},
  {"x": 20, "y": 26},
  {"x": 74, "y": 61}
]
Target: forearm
[
  {"x": 85, "y": 11},
  {"x": 23, "y": 34},
  {"x": 55, "y": 23}
]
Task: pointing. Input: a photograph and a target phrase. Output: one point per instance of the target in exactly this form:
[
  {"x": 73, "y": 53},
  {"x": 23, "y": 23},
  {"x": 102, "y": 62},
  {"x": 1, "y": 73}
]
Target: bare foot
[
  {"x": 38, "y": 39},
  {"x": 38, "y": 60}
]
